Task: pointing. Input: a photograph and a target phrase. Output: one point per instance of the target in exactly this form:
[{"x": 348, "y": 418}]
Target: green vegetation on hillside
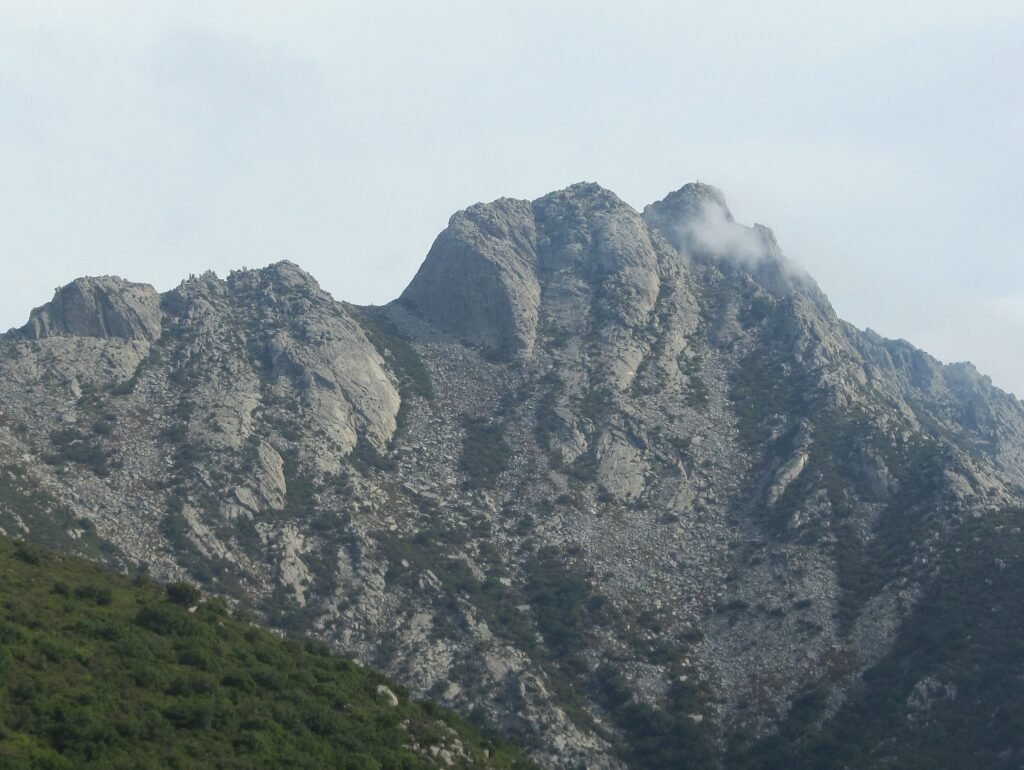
[
  {"x": 27, "y": 507},
  {"x": 75, "y": 446},
  {"x": 763, "y": 386},
  {"x": 392, "y": 345},
  {"x": 100, "y": 672},
  {"x": 485, "y": 454}
]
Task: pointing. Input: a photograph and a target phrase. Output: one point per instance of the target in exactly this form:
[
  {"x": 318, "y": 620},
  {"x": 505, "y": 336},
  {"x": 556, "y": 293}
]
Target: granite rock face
[
  {"x": 274, "y": 337},
  {"x": 482, "y": 279},
  {"x": 99, "y": 307},
  {"x": 593, "y": 467},
  {"x": 479, "y": 279}
]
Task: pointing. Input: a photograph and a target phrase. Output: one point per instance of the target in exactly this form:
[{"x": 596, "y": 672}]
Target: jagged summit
[
  {"x": 696, "y": 220},
  {"x": 486, "y": 274},
  {"x": 588, "y": 195},
  {"x": 283, "y": 276},
  {"x": 690, "y": 202},
  {"x": 284, "y": 273},
  {"x": 108, "y": 306}
]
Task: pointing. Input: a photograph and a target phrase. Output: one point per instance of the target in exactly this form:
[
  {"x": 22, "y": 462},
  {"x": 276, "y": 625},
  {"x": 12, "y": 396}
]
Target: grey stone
[{"x": 102, "y": 307}]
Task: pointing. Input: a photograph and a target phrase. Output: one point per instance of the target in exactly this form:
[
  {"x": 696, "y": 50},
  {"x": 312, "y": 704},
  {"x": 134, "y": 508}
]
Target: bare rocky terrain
[{"x": 619, "y": 484}]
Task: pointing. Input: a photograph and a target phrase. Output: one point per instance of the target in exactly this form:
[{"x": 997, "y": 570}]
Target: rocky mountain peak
[
  {"x": 691, "y": 202},
  {"x": 479, "y": 279},
  {"x": 282, "y": 285},
  {"x": 587, "y": 196},
  {"x": 103, "y": 307},
  {"x": 287, "y": 275},
  {"x": 277, "y": 279},
  {"x": 590, "y": 230},
  {"x": 287, "y": 340},
  {"x": 485, "y": 274},
  {"x": 697, "y": 222},
  {"x": 585, "y": 262}
]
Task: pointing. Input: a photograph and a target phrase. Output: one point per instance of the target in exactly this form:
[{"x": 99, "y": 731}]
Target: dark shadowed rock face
[
  {"x": 479, "y": 280},
  {"x": 102, "y": 307}
]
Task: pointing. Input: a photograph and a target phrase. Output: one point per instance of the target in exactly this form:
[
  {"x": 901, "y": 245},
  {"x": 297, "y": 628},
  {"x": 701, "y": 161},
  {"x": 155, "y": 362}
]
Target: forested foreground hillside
[{"x": 99, "y": 671}]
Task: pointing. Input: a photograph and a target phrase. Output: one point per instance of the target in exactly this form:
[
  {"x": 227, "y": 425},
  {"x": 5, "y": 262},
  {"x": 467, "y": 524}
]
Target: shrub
[
  {"x": 184, "y": 594},
  {"x": 485, "y": 454}
]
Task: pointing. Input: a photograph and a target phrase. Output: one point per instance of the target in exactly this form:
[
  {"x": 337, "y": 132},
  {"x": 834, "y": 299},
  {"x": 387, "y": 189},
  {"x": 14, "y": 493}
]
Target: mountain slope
[
  {"x": 98, "y": 671},
  {"x": 620, "y": 483},
  {"x": 946, "y": 694}
]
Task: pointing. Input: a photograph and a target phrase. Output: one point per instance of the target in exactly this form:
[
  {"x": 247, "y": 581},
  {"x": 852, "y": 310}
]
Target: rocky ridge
[{"x": 595, "y": 475}]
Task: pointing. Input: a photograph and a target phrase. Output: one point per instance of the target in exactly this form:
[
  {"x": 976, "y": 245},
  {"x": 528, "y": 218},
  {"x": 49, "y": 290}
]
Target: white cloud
[{"x": 715, "y": 232}]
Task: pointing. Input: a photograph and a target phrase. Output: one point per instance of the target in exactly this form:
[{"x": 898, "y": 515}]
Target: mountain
[
  {"x": 102, "y": 672},
  {"x": 620, "y": 484}
]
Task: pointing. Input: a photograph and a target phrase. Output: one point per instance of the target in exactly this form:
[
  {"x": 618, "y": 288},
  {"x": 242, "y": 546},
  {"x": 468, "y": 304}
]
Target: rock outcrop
[
  {"x": 483, "y": 278},
  {"x": 271, "y": 337},
  {"x": 102, "y": 307},
  {"x": 479, "y": 278}
]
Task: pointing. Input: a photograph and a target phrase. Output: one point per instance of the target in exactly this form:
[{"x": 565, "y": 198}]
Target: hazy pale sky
[{"x": 882, "y": 141}]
